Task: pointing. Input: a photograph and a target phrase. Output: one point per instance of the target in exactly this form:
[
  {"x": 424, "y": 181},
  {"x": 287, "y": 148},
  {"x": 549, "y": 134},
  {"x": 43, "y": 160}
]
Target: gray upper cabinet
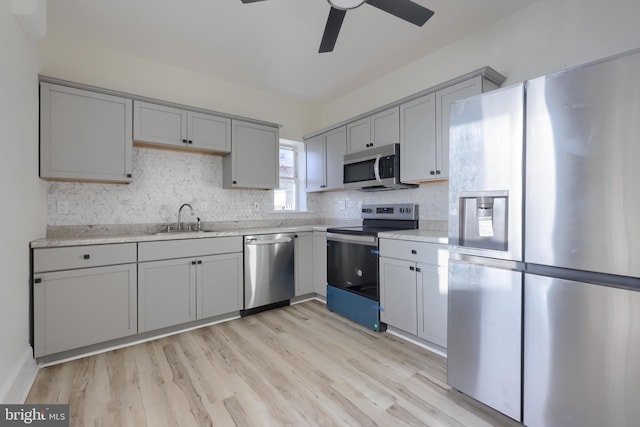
[
  {"x": 174, "y": 127},
  {"x": 84, "y": 135},
  {"x": 325, "y": 154},
  {"x": 424, "y": 130},
  {"x": 418, "y": 138},
  {"x": 254, "y": 158},
  {"x": 374, "y": 131}
]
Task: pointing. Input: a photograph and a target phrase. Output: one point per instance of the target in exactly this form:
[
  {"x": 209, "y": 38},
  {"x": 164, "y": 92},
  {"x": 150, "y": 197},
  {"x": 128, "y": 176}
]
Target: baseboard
[
  {"x": 17, "y": 385},
  {"x": 419, "y": 342}
]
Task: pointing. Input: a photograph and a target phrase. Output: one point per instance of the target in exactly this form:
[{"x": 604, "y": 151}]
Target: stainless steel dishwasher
[{"x": 268, "y": 271}]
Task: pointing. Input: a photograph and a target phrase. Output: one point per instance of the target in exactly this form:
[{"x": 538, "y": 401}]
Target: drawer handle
[
  {"x": 414, "y": 252},
  {"x": 86, "y": 256},
  {"x": 412, "y": 268}
]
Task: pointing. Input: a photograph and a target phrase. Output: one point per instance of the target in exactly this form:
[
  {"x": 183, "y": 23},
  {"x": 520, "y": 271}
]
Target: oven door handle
[
  {"x": 351, "y": 238},
  {"x": 376, "y": 168}
]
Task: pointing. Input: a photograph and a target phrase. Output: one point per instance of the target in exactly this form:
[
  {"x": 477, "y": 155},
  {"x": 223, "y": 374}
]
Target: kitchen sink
[{"x": 195, "y": 232}]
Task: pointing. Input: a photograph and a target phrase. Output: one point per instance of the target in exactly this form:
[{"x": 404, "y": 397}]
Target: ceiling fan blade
[
  {"x": 404, "y": 9},
  {"x": 249, "y": 1},
  {"x": 332, "y": 29}
]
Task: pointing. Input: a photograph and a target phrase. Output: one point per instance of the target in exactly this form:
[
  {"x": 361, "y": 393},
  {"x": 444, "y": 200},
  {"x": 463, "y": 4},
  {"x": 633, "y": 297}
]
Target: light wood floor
[{"x": 296, "y": 366}]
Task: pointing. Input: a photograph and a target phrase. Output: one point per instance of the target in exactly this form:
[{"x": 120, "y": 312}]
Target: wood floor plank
[{"x": 296, "y": 366}]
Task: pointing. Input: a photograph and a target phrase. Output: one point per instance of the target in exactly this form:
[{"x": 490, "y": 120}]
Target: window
[{"x": 290, "y": 196}]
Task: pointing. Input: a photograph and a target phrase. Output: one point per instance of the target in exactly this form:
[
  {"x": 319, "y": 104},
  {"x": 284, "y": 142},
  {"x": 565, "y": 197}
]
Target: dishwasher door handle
[{"x": 257, "y": 242}]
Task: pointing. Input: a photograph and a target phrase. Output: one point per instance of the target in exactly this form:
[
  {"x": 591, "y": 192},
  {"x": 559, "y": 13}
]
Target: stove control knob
[{"x": 401, "y": 210}]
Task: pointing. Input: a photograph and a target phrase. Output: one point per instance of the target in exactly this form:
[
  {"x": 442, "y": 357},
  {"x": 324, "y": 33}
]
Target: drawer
[
  {"x": 54, "y": 259},
  {"x": 186, "y": 248},
  {"x": 428, "y": 253}
]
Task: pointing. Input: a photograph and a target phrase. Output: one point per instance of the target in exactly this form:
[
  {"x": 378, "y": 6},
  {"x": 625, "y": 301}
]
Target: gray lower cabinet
[
  {"x": 254, "y": 158},
  {"x": 166, "y": 293},
  {"x": 219, "y": 285},
  {"x": 398, "y": 294},
  {"x": 414, "y": 288},
  {"x": 80, "y": 298},
  {"x": 304, "y": 273},
  {"x": 84, "y": 135},
  {"x": 185, "y": 280},
  {"x": 320, "y": 264},
  {"x": 162, "y": 125}
]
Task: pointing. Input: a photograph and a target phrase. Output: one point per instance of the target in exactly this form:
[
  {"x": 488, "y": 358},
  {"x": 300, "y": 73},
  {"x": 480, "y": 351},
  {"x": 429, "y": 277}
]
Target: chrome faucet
[{"x": 180, "y": 213}]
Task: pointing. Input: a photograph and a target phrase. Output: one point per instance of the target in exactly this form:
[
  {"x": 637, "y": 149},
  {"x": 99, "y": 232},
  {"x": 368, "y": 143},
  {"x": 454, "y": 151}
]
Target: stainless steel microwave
[{"x": 374, "y": 169}]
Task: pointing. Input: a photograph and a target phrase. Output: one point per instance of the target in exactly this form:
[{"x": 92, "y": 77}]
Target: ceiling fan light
[{"x": 346, "y": 4}]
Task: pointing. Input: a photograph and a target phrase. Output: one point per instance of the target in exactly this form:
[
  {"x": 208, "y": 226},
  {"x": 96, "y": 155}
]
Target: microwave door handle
[{"x": 376, "y": 168}]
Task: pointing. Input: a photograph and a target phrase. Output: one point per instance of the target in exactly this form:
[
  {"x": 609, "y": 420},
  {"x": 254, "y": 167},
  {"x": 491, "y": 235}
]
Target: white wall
[
  {"x": 546, "y": 37},
  {"x": 75, "y": 60},
  {"x": 23, "y": 213}
]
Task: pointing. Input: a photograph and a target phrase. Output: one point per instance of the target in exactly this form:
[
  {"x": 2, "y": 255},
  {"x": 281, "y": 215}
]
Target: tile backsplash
[{"x": 163, "y": 180}]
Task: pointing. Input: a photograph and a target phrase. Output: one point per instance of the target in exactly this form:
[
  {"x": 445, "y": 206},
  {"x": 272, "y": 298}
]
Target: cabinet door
[
  {"x": 315, "y": 154},
  {"x": 398, "y": 294},
  {"x": 432, "y": 303},
  {"x": 159, "y": 124},
  {"x": 84, "y": 135},
  {"x": 418, "y": 139},
  {"x": 385, "y": 127},
  {"x": 359, "y": 135},
  {"x": 254, "y": 158},
  {"x": 304, "y": 275},
  {"x": 335, "y": 149},
  {"x": 207, "y": 132},
  {"x": 75, "y": 308},
  {"x": 320, "y": 264},
  {"x": 444, "y": 99},
  {"x": 166, "y": 293},
  {"x": 219, "y": 284}
]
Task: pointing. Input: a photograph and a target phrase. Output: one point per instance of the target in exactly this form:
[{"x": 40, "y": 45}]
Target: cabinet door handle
[
  {"x": 86, "y": 256},
  {"x": 414, "y": 252},
  {"x": 235, "y": 182},
  {"x": 437, "y": 172},
  {"x": 432, "y": 172},
  {"x": 412, "y": 268},
  {"x": 184, "y": 141},
  {"x": 128, "y": 175},
  {"x": 190, "y": 142},
  {"x": 418, "y": 269},
  {"x": 193, "y": 263},
  {"x": 38, "y": 280},
  {"x": 199, "y": 262}
]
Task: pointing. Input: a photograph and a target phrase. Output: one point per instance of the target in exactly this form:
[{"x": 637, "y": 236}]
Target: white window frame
[{"x": 299, "y": 180}]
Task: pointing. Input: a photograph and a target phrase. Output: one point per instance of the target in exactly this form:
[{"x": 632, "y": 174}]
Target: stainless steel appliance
[
  {"x": 485, "y": 237},
  {"x": 352, "y": 262},
  {"x": 566, "y": 321},
  {"x": 268, "y": 271},
  {"x": 582, "y": 246},
  {"x": 374, "y": 169}
]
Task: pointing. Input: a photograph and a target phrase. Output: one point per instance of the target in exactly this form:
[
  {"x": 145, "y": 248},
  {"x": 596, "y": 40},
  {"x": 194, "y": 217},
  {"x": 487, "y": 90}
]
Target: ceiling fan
[{"x": 403, "y": 9}]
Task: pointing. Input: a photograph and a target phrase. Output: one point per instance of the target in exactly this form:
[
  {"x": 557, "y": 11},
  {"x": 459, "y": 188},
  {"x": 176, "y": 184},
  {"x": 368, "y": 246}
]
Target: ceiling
[{"x": 272, "y": 45}]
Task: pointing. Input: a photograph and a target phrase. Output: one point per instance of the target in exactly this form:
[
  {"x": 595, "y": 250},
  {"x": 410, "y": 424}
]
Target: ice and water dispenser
[{"x": 484, "y": 220}]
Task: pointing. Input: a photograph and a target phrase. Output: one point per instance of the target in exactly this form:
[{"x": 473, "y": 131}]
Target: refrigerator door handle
[{"x": 456, "y": 257}]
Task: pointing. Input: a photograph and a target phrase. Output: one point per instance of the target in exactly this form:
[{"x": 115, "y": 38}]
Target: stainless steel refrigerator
[
  {"x": 544, "y": 318},
  {"x": 485, "y": 236},
  {"x": 582, "y": 246}
]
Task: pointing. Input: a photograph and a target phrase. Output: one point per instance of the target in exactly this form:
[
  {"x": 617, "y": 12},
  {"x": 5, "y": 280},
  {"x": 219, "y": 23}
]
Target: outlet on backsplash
[{"x": 63, "y": 207}]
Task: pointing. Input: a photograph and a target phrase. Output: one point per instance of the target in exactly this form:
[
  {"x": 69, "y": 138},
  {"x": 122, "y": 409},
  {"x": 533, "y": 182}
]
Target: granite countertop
[
  {"x": 152, "y": 237},
  {"x": 428, "y": 236}
]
